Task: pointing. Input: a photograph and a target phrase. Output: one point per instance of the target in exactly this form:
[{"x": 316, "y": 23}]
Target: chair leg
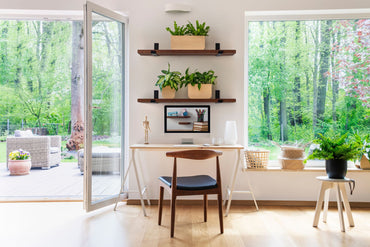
[
  {"x": 205, "y": 206},
  {"x": 220, "y": 213},
  {"x": 173, "y": 206},
  {"x": 160, "y": 205}
]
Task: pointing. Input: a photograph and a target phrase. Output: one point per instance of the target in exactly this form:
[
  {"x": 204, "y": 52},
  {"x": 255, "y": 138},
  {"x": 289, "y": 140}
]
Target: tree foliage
[{"x": 307, "y": 77}]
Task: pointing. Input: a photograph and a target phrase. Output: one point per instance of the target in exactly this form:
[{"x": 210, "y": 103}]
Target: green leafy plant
[
  {"x": 189, "y": 29},
  {"x": 336, "y": 148},
  {"x": 169, "y": 78},
  {"x": 364, "y": 145},
  {"x": 198, "y": 78},
  {"x": 177, "y": 30},
  {"x": 198, "y": 30}
]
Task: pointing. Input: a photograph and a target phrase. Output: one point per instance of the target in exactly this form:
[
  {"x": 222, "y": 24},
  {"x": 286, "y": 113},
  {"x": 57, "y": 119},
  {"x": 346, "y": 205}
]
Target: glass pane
[
  {"x": 305, "y": 78},
  {"x": 107, "y": 91}
]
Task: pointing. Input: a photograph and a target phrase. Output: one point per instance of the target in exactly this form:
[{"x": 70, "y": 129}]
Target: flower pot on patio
[{"x": 19, "y": 167}]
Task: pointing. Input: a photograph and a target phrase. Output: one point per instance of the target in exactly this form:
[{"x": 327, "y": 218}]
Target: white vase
[{"x": 231, "y": 135}]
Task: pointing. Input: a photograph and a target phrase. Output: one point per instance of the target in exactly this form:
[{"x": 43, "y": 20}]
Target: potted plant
[
  {"x": 199, "y": 84},
  {"x": 336, "y": 150},
  {"x": 19, "y": 162},
  {"x": 168, "y": 83},
  {"x": 189, "y": 37},
  {"x": 364, "y": 153}
]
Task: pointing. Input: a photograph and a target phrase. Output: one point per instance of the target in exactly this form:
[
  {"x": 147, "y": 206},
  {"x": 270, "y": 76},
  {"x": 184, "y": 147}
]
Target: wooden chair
[{"x": 191, "y": 185}]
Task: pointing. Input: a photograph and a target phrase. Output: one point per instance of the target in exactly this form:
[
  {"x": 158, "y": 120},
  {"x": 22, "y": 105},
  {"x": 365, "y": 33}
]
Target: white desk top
[{"x": 184, "y": 146}]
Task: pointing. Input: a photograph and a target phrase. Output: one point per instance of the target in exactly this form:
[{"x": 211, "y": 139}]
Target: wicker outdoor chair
[{"x": 45, "y": 151}]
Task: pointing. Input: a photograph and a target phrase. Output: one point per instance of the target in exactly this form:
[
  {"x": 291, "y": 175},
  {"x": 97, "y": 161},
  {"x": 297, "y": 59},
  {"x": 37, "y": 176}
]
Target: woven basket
[
  {"x": 256, "y": 158},
  {"x": 292, "y": 152}
]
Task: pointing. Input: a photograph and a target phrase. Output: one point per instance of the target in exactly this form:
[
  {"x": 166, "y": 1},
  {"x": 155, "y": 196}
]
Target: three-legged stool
[{"x": 339, "y": 185}]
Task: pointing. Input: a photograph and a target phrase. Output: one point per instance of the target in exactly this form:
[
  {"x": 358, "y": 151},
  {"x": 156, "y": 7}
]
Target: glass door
[{"x": 105, "y": 32}]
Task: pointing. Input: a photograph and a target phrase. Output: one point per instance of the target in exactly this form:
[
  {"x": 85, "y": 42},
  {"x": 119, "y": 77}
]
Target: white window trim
[{"x": 286, "y": 16}]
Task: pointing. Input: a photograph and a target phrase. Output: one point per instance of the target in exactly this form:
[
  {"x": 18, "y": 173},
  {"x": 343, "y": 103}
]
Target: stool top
[{"x": 337, "y": 180}]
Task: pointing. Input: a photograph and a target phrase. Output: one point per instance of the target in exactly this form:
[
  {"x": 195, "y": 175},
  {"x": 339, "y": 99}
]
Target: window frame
[{"x": 289, "y": 15}]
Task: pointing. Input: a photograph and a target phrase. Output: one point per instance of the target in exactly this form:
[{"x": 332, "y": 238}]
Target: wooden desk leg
[
  {"x": 347, "y": 207},
  {"x": 340, "y": 210},
  {"x": 324, "y": 187},
  {"x": 233, "y": 179},
  {"x": 326, "y": 205},
  {"x": 138, "y": 182},
  {"x": 123, "y": 183}
]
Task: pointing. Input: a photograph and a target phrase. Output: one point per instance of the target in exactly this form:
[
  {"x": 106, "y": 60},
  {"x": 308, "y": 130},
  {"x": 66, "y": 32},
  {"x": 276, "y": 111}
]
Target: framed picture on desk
[{"x": 187, "y": 119}]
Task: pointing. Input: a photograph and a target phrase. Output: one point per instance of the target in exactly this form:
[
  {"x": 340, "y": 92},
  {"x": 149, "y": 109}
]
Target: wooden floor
[{"x": 66, "y": 224}]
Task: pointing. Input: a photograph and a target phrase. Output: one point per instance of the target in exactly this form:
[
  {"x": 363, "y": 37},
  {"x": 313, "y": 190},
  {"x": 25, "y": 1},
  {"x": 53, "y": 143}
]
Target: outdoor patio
[{"x": 64, "y": 182}]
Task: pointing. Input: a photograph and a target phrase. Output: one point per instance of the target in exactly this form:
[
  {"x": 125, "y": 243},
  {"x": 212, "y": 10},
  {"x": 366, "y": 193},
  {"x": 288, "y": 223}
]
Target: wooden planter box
[
  {"x": 364, "y": 163},
  {"x": 188, "y": 42},
  {"x": 168, "y": 93},
  {"x": 205, "y": 91},
  {"x": 292, "y": 164}
]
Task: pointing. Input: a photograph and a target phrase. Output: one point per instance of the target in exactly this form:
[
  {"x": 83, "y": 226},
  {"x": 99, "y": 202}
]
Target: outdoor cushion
[
  {"x": 199, "y": 182},
  {"x": 104, "y": 153},
  {"x": 21, "y": 133},
  {"x": 54, "y": 150}
]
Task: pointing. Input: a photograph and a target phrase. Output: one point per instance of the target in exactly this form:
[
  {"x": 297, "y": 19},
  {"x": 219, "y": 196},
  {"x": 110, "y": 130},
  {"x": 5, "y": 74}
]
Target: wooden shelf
[
  {"x": 178, "y": 116},
  {"x": 186, "y": 52},
  {"x": 186, "y": 100}
]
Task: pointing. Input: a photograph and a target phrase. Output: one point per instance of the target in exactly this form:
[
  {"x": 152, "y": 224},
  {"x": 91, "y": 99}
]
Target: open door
[{"x": 104, "y": 152}]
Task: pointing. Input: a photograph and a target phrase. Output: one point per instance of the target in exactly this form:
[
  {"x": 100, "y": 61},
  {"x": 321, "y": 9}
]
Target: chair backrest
[{"x": 194, "y": 154}]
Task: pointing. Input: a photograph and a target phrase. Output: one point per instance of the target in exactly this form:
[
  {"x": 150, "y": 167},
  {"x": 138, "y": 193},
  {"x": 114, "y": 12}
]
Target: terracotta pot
[
  {"x": 188, "y": 42},
  {"x": 19, "y": 167},
  {"x": 205, "y": 92},
  {"x": 168, "y": 93},
  {"x": 336, "y": 168}
]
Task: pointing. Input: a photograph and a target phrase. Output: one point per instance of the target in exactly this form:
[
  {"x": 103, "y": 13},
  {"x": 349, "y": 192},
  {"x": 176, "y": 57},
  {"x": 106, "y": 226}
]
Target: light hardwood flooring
[{"x": 66, "y": 224}]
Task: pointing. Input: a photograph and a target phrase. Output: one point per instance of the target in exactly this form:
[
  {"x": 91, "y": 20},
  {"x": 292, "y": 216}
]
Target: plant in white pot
[
  {"x": 168, "y": 83},
  {"x": 336, "y": 151},
  {"x": 189, "y": 37},
  {"x": 199, "y": 84}
]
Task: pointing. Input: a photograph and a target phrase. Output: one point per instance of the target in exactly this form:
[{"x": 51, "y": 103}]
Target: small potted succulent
[
  {"x": 189, "y": 37},
  {"x": 199, "y": 84},
  {"x": 168, "y": 83},
  {"x": 19, "y": 162},
  {"x": 336, "y": 151}
]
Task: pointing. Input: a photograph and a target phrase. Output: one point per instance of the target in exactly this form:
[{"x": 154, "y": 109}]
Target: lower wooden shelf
[{"x": 186, "y": 100}]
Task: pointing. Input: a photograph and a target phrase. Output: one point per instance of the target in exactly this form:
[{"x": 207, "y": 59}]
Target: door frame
[{"x": 90, "y": 8}]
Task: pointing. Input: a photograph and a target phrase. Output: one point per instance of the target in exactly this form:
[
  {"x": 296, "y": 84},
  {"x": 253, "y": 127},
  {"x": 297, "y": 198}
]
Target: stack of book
[{"x": 200, "y": 126}]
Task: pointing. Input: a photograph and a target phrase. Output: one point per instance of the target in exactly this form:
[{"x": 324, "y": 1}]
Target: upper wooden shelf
[
  {"x": 186, "y": 100},
  {"x": 186, "y": 52}
]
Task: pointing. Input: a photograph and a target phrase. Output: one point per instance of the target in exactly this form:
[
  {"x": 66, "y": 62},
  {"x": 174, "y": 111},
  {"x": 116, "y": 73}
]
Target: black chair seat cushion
[{"x": 199, "y": 182}]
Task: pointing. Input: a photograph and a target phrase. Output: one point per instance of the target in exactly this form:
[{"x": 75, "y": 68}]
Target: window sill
[
  {"x": 306, "y": 169},
  {"x": 311, "y": 166}
]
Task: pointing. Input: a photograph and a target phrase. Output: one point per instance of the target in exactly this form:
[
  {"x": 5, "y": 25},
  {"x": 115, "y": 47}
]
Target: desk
[{"x": 171, "y": 147}]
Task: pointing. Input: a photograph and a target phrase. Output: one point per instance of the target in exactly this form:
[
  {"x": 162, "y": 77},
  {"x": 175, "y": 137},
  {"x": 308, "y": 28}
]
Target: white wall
[{"x": 147, "y": 22}]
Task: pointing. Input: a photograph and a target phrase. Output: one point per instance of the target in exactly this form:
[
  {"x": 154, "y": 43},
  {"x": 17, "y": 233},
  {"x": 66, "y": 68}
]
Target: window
[{"x": 306, "y": 76}]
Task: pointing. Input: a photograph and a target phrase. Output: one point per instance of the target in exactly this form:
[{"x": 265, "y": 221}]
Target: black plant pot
[{"x": 336, "y": 168}]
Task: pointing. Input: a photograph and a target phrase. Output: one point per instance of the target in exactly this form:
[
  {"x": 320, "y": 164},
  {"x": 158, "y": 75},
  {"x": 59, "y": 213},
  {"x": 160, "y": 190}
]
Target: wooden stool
[{"x": 326, "y": 185}]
